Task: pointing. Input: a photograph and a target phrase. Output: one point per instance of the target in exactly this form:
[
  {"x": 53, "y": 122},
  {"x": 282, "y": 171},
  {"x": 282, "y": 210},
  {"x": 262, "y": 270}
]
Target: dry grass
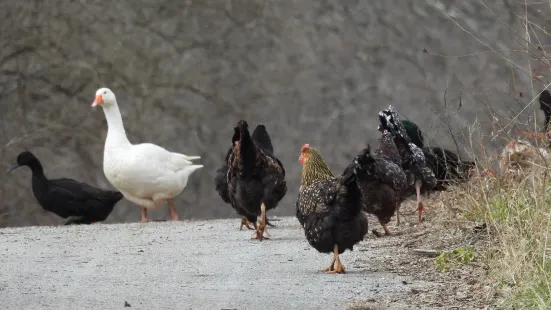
[{"x": 516, "y": 211}]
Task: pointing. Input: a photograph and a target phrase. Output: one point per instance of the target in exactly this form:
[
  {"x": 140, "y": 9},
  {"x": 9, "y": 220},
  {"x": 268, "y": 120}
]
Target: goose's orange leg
[
  {"x": 173, "y": 215},
  {"x": 145, "y": 219}
]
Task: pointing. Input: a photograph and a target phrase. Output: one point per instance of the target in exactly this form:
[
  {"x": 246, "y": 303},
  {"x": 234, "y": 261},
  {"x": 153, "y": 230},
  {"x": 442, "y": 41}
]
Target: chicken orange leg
[
  {"x": 418, "y": 185},
  {"x": 331, "y": 265},
  {"x": 339, "y": 268},
  {"x": 259, "y": 234},
  {"x": 145, "y": 219},
  {"x": 245, "y": 222}
]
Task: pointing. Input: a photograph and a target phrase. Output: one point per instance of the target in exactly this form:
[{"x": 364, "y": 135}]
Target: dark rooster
[
  {"x": 421, "y": 179},
  {"x": 255, "y": 178},
  {"x": 384, "y": 183},
  {"x": 330, "y": 208},
  {"x": 262, "y": 139},
  {"x": 80, "y": 202},
  {"x": 446, "y": 165}
]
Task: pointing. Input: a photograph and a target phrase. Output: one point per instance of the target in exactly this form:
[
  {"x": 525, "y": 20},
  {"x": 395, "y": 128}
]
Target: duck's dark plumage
[{"x": 83, "y": 203}]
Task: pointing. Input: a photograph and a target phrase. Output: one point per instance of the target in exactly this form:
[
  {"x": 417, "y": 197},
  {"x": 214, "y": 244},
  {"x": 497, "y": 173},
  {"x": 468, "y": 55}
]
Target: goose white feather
[{"x": 145, "y": 173}]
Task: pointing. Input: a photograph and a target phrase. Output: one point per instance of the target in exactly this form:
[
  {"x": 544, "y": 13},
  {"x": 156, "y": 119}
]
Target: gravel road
[{"x": 182, "y": 265}]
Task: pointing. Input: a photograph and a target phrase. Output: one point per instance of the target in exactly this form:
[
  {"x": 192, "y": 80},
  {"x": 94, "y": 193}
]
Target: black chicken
[
  {"x": 255, "y": 178},
  {"x": 421, "y": 179},
  {"x": 330, "y": 208},
  {"x": 84, "y": 204},
  {"x": 446, "y": 165},
  {"x": 262, "y": 139}
]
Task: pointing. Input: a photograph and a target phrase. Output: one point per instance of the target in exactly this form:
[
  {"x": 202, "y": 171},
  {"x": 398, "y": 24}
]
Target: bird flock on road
[{"x": 331, "y": 207}]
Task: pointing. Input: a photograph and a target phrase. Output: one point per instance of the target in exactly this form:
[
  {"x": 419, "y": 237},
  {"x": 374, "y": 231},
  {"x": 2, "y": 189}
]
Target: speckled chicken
[
  {"x": 421, "y": 178},
  {"x": 262, "y": 139},
  {"x": 255, "y": 179},
  {"x": 330, "y": 208}
]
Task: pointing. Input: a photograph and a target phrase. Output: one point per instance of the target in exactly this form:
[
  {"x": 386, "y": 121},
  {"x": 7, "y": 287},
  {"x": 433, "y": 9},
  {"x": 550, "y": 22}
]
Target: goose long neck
[{"x": 115, "y": 132}]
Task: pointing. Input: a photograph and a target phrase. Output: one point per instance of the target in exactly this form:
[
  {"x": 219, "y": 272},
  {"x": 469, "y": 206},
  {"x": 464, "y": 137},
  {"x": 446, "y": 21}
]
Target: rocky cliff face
[{"x": 313, "y": 71}]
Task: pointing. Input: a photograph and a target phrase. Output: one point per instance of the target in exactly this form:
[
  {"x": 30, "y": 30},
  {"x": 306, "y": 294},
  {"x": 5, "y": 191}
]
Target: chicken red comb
[{"x": 304, "y": 147}]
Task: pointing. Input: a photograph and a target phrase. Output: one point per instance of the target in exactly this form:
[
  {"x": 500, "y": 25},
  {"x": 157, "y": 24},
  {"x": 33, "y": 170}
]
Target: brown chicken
[{"x": 384, "y": 186}]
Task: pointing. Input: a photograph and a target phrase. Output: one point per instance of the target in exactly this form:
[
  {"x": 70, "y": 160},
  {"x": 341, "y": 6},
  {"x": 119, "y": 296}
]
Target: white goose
[{"x": 145, "y": 174}]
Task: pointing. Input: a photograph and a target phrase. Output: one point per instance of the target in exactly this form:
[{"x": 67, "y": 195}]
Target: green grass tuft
[{"x": 518, "y": 217}]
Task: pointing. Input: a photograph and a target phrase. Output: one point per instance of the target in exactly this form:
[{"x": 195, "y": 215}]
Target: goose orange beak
[{"x": 98, "y": 101}]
